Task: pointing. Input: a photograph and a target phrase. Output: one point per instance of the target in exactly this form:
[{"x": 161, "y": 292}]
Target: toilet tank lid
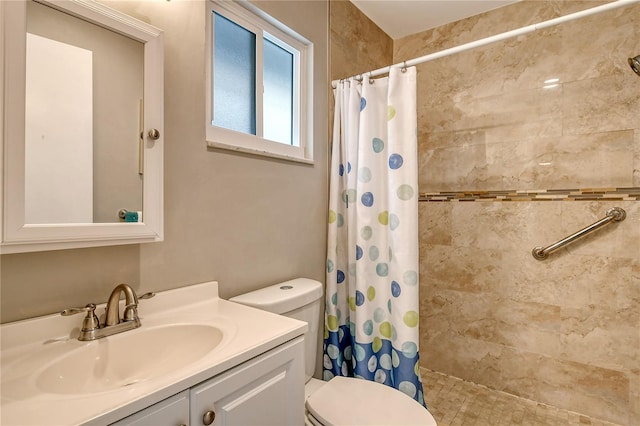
[{"x": 282, "y": 297}]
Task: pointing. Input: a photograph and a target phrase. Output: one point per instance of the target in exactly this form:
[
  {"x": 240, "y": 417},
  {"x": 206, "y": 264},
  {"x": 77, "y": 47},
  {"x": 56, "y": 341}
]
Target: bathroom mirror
[{"x": 83, "y": 127}]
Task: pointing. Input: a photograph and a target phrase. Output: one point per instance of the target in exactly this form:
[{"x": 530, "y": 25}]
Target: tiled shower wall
[{"x": 565, "y": 331}]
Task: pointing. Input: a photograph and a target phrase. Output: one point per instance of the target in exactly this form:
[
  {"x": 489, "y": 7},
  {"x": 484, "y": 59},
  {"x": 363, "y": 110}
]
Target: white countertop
[{"x": 247, "y": 332}]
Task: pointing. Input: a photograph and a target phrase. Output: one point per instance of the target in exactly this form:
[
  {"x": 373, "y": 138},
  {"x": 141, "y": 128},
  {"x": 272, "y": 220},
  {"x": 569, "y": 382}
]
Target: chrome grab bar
[{"x": 615, "y": 214}]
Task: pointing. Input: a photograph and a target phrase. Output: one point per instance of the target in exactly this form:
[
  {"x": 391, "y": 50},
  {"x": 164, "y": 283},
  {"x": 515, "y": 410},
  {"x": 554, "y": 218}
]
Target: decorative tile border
[{"x": 585, "y": 194}]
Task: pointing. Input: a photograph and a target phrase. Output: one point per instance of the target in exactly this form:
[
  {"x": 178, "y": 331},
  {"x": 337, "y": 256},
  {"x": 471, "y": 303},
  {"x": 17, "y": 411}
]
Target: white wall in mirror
[
  {"x": 58, "y": 132},
  {"x": 21, "y": 233}
]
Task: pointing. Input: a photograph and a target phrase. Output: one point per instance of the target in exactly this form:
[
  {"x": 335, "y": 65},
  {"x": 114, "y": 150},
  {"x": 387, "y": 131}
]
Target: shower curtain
[{"x": 371, "y": 316}]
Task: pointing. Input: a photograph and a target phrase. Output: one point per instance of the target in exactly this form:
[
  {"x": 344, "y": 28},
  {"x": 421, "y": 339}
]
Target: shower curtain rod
[{"x": 492, "y": 39}]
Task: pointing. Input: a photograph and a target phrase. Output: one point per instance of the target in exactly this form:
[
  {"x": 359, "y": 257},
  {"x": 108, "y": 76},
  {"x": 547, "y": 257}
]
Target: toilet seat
[{"x": 349, "y": 401}]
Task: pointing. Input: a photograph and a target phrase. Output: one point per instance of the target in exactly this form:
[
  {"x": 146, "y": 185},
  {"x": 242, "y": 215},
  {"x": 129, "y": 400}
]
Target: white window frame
[{"x": 263, "y": 26}]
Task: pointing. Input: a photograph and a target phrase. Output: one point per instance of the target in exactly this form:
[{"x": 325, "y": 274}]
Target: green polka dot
[
  {"x": 383, "y": 218},
  {"x": 333, "y": 351},
  {"x": 391, "y": 112},
  {"x": 385, "y": 361},
  {"x": 376, "y": 345},
  {"x": 382, "y": 269},
  {"x": 410, "y": 277},
  {"x": 364, "y": 174},
  {"x": 349, "y": 196},
  {"x": 330, "y": 265},
  {"x": 409, "y": 349},
  {"x": 416, "y": 369},
  {"x": 326, "y": 332},
  {"x": 360, "y": 353},
  {"x": 385, "y": 329},
  {"x": 332, "y": 322},
  {"x": 407, "y": 388},
  {"x": 405, "y": 192},
  {"x": 379, "y": 315},
  {"x": 374, "y": 253},
  {"x": 332, "y": 216},
  {"x": 352, "y": 269},
  {"x": 411, "y": 318},
  {"x": 340, "y": 220},
  {"x": 367, "y": 327},
  {"x": 371, "y": 293},
  {"x": 395, "y": 359},
  {"x": 377, "y": 145},
  {"x": 394, "y": 222},
  {"x": 366, "y": 232},
  {"x": 352, "y": 303}
]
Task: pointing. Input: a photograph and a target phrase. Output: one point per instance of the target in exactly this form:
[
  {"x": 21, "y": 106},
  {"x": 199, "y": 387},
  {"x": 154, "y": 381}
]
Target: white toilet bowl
[
  {"x": 342, "y": 401},
  {"x": 347, "y": 401}
]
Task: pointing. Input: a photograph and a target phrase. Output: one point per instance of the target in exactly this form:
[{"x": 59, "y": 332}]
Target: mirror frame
[{"x": 19, "y": 237}]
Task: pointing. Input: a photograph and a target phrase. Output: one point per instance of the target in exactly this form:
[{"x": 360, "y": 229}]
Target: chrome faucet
[{"x": 113, "y": 324}]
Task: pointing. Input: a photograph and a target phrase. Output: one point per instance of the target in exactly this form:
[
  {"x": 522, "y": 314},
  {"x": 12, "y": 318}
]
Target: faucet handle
[
  {"x": 90, "y": 321},
  {"x": 91, "y": 307},
  {"x": 131, "y": 310}
]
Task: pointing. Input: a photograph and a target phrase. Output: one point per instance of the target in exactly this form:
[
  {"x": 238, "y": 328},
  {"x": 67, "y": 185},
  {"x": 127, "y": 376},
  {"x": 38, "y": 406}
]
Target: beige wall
[
  {"x": 565, "y": 331},
  {"x": 245, "y": 221}
]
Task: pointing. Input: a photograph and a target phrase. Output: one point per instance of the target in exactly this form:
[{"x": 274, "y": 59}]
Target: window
[{"x": 258, "y": 83}]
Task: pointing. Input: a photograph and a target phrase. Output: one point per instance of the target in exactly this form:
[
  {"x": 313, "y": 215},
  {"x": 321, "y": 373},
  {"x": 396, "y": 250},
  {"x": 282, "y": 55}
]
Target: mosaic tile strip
[{"x": 584, "y": 194}]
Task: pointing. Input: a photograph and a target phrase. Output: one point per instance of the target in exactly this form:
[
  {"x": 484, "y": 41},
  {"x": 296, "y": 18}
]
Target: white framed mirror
[{"x": 82, "y": 127}]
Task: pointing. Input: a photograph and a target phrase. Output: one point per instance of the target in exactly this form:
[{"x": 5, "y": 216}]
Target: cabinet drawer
[{"x": 173, "y": 411}]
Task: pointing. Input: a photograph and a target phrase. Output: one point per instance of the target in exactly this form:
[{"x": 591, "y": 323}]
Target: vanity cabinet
[
  {"x": 172, "y": 411},
  {"x": 265, "y": 390}
]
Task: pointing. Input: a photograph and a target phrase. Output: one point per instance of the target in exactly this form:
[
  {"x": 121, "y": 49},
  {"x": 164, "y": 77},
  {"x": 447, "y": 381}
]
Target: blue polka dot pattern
[
  {"x": 371, "y": 302},
  {"x": 395, "y": 161},
  {"x": 367, "y": 199},
  {"x": 395, "y": 289},
  {"x": 386, "y": 366}
]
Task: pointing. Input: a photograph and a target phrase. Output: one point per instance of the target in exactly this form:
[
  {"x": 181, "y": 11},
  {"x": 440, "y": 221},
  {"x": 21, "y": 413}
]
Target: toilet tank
[{"x": 300, "y": 299}]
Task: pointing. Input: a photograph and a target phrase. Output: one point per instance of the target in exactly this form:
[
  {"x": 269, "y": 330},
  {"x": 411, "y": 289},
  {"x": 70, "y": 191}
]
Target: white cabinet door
[
  {"x": 267, "y": 390},
  {"x": 173, "y": 411}
]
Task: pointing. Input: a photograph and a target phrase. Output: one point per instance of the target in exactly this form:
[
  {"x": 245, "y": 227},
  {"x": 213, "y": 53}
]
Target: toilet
[{"x": 341, "y": 401}]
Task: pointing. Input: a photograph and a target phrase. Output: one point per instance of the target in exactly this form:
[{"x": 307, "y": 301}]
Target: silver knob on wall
[{"x": 154, "y": 134}]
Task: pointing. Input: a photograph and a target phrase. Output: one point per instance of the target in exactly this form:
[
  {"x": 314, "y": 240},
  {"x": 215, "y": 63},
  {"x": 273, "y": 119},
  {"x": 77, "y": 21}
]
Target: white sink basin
[{"x": 125, "y": 359}]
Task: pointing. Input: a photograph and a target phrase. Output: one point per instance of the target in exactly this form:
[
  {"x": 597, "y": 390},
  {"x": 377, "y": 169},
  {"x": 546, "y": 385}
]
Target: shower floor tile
[{"x": 455, "y": 402}]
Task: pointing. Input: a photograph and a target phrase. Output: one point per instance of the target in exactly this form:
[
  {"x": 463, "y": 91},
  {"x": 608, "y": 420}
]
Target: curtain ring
[
  {"x": 371, "y": 80},
  {"x": 404, "y": 67}
]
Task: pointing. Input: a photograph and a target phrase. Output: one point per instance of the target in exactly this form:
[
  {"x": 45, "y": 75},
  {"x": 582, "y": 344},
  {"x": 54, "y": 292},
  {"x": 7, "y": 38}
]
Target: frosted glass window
[
  {"x": 278, "y": 93},
  {"x": 234, "y": 81},
  {"x": 259, "y": 75}
]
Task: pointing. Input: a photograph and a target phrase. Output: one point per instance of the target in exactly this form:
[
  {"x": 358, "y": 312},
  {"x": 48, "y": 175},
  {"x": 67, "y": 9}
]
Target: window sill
[{"x": 220, "y": 145}]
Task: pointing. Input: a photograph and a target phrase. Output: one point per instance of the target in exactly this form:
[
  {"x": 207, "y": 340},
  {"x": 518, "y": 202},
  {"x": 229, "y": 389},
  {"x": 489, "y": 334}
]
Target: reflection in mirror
[
  {"x": 83, "y": 89},
  {"x": 82, "y": 120}
]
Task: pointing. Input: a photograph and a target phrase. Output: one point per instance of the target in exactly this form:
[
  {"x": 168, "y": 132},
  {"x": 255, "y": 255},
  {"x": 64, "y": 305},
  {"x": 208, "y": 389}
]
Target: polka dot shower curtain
[{"x": 371, "y": 317}]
